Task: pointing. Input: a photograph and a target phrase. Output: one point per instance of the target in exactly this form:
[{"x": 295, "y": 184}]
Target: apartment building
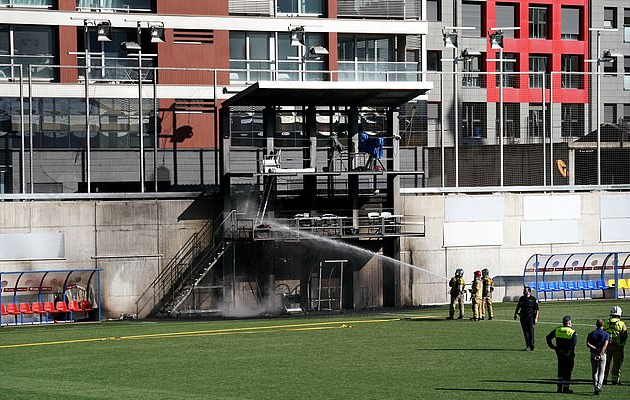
[
  {"x": 539, "y": 37},
  {"x": 158, "y": 72}
]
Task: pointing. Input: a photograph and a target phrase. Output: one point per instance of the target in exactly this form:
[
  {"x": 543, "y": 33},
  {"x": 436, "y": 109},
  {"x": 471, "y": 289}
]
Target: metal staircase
[{"x": 199, "y": 255}]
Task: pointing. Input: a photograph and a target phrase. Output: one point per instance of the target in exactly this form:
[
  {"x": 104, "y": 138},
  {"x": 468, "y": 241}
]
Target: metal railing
[{"x": 180, "y": 270}]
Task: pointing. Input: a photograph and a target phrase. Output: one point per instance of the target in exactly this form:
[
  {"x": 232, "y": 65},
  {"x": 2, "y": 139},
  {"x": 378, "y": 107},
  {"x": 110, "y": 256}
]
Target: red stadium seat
[
  {"x": 85, "y": 305},
  {"x": 25, "y": 308},
  {"x": 62, "y": 307},
  {"x": 3, "y": 310},
  {"x": 74, "y": 306},
  {"x": 49, "y": 307},
  {"x": 12, "y": 309},
  {"x": 38, "y": 309}
]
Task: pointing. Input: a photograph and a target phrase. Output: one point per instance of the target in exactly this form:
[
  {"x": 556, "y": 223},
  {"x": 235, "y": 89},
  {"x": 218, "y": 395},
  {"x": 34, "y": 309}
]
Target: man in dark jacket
[
  {"x": 566, "y": 339},
  {"x": 527, "y": 308}
]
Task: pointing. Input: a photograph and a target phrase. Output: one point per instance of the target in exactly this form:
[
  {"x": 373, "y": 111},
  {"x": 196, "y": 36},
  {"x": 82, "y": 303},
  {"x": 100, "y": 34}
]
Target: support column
[
  {"x": 224, "y": 154},
  {"x": 353, "y": 179}
]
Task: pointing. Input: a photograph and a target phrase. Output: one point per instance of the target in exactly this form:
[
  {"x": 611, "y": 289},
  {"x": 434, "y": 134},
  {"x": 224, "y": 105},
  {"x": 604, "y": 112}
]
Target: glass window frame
[
  {"x": 301, "y": 7},
  {"x": 539, "y": 22},
  {"x": 565, "y": 32},
  {"x": 610, "y": 17}
]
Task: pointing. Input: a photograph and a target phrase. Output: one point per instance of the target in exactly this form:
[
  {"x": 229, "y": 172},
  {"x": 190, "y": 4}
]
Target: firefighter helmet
[
  {"x": 459, "y": 272},
  {"x": 485, "y": 272},
  {"x": 615, "y": 311}
]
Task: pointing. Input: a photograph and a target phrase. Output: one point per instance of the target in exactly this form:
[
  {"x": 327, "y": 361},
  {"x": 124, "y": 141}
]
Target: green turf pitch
[{"x": 412, "y": 354}]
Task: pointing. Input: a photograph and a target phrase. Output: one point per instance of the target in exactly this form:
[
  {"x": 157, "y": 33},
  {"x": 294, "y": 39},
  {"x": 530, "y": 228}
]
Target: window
[
  {"x": 571, "y": 63},
  {"x": 537, "y": 63},
  {"x": 610, "y": 113},
  {"x": 511, "y": 121},
  {"x": 626, "y": 116},
  {"x": 505, "y": 16},
  {"x": 27, "y": 3},
  {"x": 510, "y": 78},
  {"x": 570, "y": 23},
  {"x": 473, "y": 120},
  {"x": 300, "y": 7},
  {"x": 538, "y": 17},
  {"x": 472, "y": 64},
  {"x": 572, "y": 120},
  {"x": 250, "y": 58},
  {"x": 610, "y": 66},
  {"x": 471, "y": 16},
  {"x": 24, "y": 44},
  {"x": 114, "y": 5},
  {"x": 434, "y": 10},
  {"x": 364, "y": 57},
  {"x": 434, "y": 60},
  {"x": 535, "y": 121},
  {"x": 610, "y": 17},
  {"x": 626, "y": 76},
  {"x": 626, "y": 24},
  {"x": 60, "y": 123}
]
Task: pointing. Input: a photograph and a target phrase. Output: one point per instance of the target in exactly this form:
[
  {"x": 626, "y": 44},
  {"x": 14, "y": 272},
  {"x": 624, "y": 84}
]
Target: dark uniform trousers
[
  {"x": 527, "y": 323},
  {"x": 566, "y": 339}
]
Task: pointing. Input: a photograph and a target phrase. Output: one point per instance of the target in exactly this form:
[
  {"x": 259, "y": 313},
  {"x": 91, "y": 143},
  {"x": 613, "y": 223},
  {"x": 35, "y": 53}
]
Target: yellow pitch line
[{"x": 250, "y": 330}]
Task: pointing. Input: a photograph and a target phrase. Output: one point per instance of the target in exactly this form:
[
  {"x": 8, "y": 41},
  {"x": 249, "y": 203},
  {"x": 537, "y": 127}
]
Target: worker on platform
[
  {"x": 618, "y": 332},
  {"x": 486, "y": 293},
  {"x": 476, "y": 290},
  {"x": 457, "y": 291}
]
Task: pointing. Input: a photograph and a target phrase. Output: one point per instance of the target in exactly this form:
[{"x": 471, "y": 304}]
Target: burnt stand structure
[{"x": 319, "y": 196}]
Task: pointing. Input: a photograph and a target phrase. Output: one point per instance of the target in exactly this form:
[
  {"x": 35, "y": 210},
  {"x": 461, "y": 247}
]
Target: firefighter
[
  {"x": 486, "y": 293},
  {"x": 475, "y": 295},
  {"x": 566, "y": 339},
  {"x": 456, "y": 285},
  {"x": 618, "y": 332}
]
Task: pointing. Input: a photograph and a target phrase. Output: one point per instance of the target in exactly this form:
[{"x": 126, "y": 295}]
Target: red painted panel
[{"x": 554, "y": 47}]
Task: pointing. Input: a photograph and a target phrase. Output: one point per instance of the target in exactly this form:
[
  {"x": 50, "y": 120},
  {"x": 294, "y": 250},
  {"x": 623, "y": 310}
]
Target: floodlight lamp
[
  {"x": 468, "y": 53},
  {"x": 297, "y": 36},
  {"x": 318, "y": 51},
  {"x": 496, "y": 40},
  {"x": 157, "y": 33},
  {"x": 104, "y": 31},
  {"x": 450, "y": 39},
  {"x": 130, "y": 46}
]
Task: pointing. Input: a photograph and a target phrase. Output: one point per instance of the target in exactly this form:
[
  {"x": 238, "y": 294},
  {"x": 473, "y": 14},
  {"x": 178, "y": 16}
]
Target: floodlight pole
[
  {"x": 598, "y": 99},
  {"x": 88, "y": 61},
  {"x": 499, "y": 31},
  {"x": 456, "y": 113},
  {"x": 140, "y": 117}
]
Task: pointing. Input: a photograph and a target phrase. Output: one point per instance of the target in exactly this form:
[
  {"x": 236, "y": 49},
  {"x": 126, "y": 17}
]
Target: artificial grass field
[{"x": 409, "y": 354}]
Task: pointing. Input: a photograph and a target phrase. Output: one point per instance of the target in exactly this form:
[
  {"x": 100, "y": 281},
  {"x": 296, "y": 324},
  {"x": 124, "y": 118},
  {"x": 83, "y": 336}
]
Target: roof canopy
[{"x": 329, "y": 93}]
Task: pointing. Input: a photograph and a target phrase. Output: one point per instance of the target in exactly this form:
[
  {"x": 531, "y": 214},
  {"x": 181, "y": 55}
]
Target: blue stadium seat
[
  {"x": 581, "y": 285},
  {"x": 542, "y": 288},
  {"x": 571, "y": 286},
  {"x": 591, "y": 285},
  {"x": 562, "y": 287},
  {"x": 551, "y": 287}
]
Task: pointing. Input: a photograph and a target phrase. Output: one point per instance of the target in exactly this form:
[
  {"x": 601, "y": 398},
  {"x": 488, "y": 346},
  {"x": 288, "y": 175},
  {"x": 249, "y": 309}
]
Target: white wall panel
[
  {"x": 473, "y": 208},
  {"x": 32, "y": 246},
  {"x": 615, "y": 206},
  {"x": 551, "y": 207},
  {"x": 548, "y": 232},
  {"x": 489, "y": 233},
  {"x": 615, "y": 230}
]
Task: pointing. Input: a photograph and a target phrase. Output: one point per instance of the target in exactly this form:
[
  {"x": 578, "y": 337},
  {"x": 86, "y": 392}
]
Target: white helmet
[{"x": 615, "y": 311}]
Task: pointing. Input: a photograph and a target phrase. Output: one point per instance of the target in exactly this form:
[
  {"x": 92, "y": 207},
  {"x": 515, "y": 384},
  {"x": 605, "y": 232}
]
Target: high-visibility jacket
[
  {"x": 617, "y": 330},
  {"x": 487, "y": 286},
  {"x": 475, "y": 290},
  {"x": 457, "y": 285}
]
